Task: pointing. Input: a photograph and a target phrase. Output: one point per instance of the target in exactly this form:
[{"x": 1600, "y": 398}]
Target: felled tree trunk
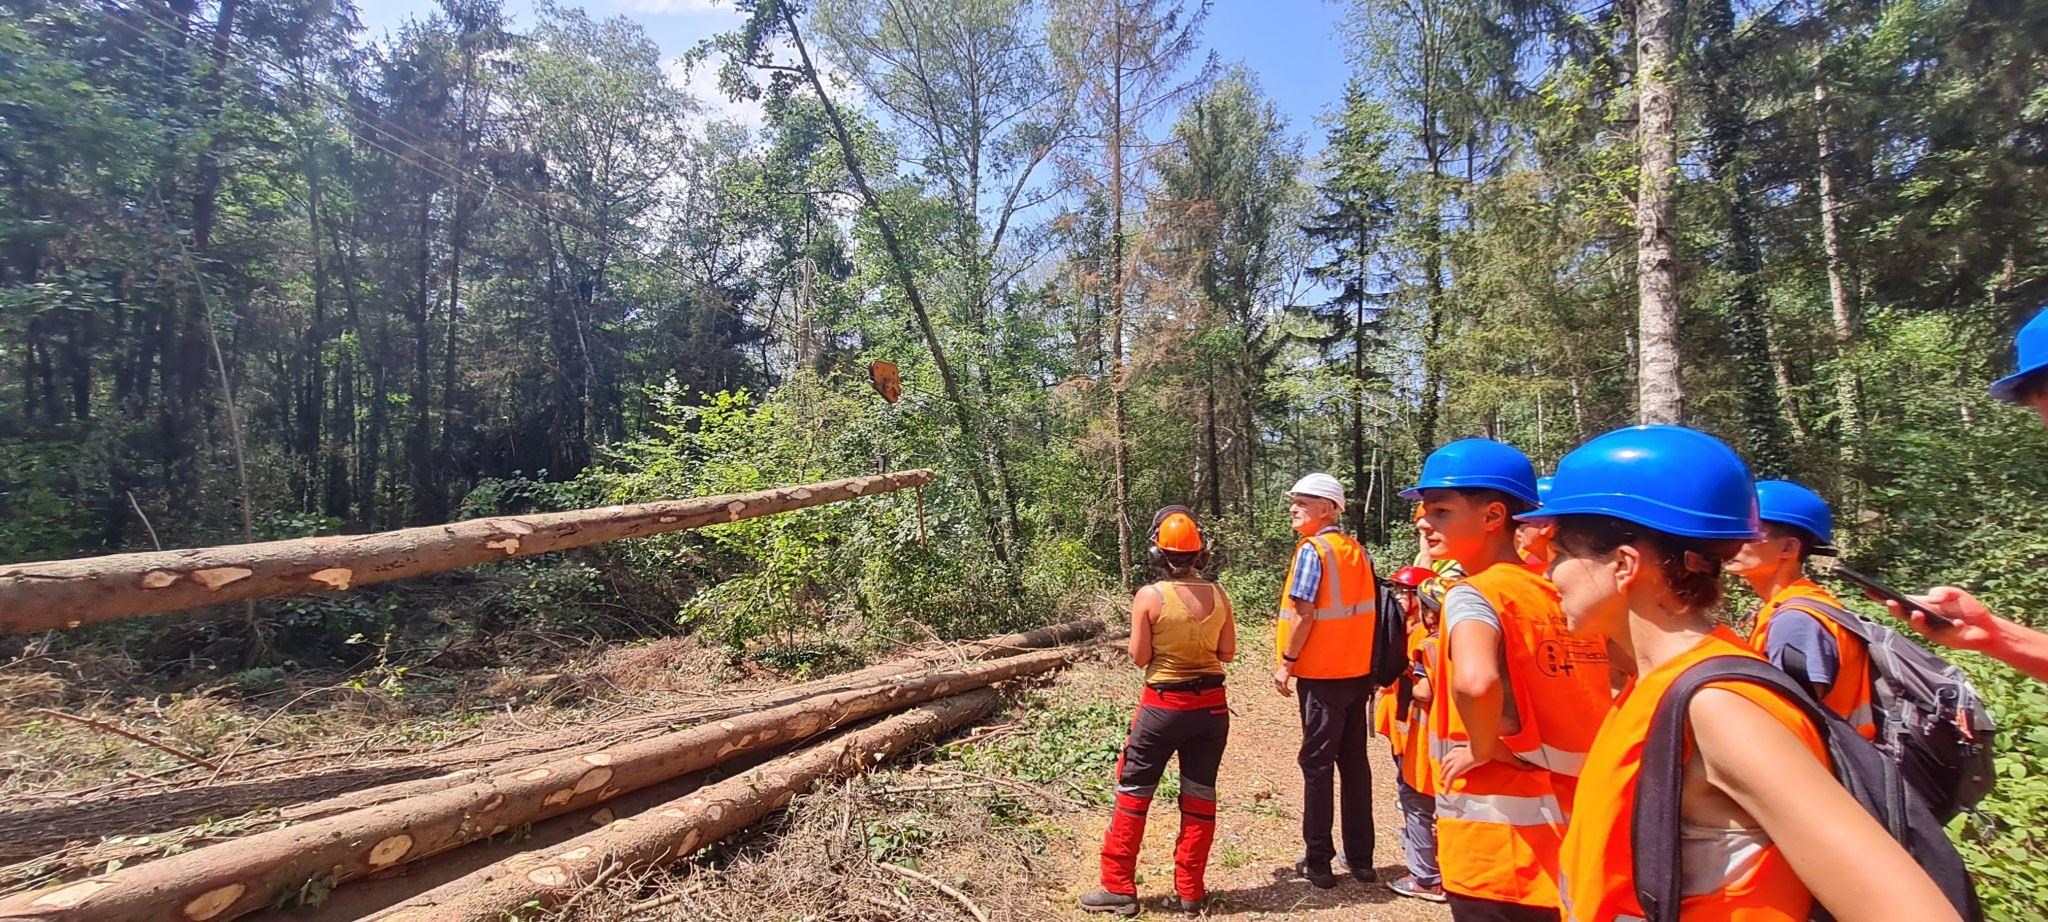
[
  {"x": 67, "y": 593},
  {"x": 668, "y": 834},
  {"x": 243, "y": 875},
  {"x": 38, "y": 830}
]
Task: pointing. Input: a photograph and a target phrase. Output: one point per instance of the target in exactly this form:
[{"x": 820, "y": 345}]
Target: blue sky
[{"x": 1292, "y": 45}]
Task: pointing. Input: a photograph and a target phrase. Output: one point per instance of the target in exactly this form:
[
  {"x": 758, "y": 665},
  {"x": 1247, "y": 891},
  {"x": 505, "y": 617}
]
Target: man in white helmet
[{"x": 1324, "y": 652}]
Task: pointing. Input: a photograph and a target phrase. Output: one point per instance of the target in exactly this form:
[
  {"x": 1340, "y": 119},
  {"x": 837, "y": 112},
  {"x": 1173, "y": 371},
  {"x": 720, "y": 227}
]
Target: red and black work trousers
[{"x": 1190, "y": 719}]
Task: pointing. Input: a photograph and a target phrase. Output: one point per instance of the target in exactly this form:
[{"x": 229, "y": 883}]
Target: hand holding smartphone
[{"x": 1880, "y": 592}]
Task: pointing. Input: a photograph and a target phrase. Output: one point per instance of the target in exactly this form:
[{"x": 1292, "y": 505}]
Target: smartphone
[{"x": 1882, "y": 593}]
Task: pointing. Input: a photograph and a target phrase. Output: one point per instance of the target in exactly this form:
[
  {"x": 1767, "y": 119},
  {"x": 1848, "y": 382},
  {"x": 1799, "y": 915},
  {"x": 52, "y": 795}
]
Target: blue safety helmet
[
  {"x": 2032, "y": 346},
  {"x": 1788, "y": 503},
  {"x": 1676, "y": 480},
  {"x": 1478, "y": 464},
  {"x": 1543, "y": 488}
]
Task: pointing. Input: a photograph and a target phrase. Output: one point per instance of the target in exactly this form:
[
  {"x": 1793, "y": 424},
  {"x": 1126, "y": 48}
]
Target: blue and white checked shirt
[{"x": 1308, "y": 570}]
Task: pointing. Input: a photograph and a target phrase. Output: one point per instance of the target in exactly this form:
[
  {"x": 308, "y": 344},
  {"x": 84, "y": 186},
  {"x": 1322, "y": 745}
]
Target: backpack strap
[{"x": 1654, "y": 819}]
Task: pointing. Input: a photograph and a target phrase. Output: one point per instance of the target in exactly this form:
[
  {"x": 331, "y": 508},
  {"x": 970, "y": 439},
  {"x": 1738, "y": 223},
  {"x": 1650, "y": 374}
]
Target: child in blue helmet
[
  {"x": 1645, "y": 518},
  {"x": 1974, "y": 627},
  {"x": 1799, "y": 628}
]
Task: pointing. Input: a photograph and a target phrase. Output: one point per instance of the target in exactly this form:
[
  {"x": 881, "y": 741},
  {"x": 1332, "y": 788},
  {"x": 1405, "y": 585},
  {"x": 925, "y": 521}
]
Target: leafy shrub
[{"x": 1077, "y": 744}]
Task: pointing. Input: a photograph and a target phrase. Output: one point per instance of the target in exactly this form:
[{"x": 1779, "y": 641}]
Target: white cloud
[{"x": 701, "y": 82}]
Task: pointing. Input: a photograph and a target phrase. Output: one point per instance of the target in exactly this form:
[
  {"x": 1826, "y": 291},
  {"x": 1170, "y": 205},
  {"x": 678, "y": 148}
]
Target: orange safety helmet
[
  {"x": 1178, "y": 532},
  {"x": 1174, "y": 531}
]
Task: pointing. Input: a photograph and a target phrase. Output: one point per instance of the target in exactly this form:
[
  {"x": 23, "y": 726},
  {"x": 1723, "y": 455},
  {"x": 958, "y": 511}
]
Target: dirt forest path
[{"x": 1258, "y": 834}]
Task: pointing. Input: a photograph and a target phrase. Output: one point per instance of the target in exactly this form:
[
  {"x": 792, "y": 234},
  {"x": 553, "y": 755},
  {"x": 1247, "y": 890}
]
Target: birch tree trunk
[{"x": 1841, "y": 288}]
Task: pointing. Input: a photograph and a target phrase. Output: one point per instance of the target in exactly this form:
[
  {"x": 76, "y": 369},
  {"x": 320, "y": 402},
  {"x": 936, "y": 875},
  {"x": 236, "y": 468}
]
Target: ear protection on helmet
[{"x": 1157, "y": 557}]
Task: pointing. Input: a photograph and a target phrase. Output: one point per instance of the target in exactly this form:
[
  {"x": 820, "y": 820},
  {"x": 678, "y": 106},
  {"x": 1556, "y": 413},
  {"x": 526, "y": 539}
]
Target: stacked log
[
  {"x": 243, "y": 875},
  {"x": 677, "y": 830},
  {"x": 26, "y": 833}
]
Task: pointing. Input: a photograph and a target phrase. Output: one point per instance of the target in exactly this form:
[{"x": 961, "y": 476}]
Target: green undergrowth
[{"x": 1070, "y": 748}]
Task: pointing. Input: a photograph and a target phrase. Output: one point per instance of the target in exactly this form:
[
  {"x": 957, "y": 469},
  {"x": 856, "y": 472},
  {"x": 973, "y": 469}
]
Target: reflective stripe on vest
[
  {"x": 1334, "y": 575},
  {"x": 1561, "y": 761},
  {"x": 1540, "y": 810}
]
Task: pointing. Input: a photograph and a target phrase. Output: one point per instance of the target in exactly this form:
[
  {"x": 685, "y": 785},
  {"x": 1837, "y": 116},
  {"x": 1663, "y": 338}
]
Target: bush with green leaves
[{"x": 815, "y": 587}]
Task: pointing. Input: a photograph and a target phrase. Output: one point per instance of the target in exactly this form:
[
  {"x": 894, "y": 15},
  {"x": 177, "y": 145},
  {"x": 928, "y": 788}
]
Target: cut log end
[
  {"x": 390, "y": 851},
  {"x": 213, "y": 578},
  {"x": 213, "y": 902},
  {"x": 335, "y": 578},
  {"x": 593, "y": 779}
]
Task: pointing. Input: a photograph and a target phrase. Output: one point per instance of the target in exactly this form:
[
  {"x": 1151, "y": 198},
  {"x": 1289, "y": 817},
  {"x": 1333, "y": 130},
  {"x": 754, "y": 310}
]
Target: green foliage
[{"x": 1076, "y": 744}]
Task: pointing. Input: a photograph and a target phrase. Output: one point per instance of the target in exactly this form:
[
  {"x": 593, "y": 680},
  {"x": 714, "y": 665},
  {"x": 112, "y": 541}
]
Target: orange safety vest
[
  {"x": 1340, "y": 645},
  {"x": 1418, "y": 768},
  {"x": 1383, "y": 713},
  {"x": 1728, "y": 875},
  {"x": 1499, "y": 826},
  {"x": 1850, "y": 695},
  {"x": 1385, "y": 708}
]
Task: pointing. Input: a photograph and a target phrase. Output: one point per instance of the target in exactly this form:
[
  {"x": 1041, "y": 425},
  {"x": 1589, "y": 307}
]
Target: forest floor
[
  {"x": 1009, "y": 812},
  {"x": 1258, "y": 834}
]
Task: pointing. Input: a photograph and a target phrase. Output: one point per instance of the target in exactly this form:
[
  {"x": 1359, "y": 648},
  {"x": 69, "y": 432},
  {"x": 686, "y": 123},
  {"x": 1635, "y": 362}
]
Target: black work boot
[
  {"x": 1363, "y": 873},
  {"x": 1320, "y": 878},
  {"x": 1176, "y": 903},
  {"x": 1122, "y": 904}
]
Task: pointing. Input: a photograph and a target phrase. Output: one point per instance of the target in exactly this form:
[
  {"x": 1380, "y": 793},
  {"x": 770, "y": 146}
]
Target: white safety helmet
[{"x": 1320, "y": 485}]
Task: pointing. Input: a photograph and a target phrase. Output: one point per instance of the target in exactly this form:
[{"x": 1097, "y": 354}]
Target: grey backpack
[{"x": 1930, "y": 720}]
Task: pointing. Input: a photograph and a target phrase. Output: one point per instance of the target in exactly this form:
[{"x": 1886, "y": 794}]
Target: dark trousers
[
  {"x": 1333, "y": 737},
  {"x": 1189, "y": 723},
  {"x": 1473, "y": 909}
]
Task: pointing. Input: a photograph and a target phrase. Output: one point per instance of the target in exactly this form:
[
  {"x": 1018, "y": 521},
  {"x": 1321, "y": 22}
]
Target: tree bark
[
  {"x": 1119, "y": 451},
  {"x": 27, "y": 833},
  {"x": 1658, "y": 397},
  {"x": 665, "y": 835},
  {"x": 68, "y": 593},
  {"x": 1841, "y": 288},
  {"x": 244, "y": 875},
  {"x": 1214, "y": 469}
]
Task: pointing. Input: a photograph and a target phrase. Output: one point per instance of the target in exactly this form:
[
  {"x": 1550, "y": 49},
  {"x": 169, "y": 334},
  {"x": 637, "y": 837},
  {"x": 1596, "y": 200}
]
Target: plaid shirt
[{"x": 1308, "y": 570}]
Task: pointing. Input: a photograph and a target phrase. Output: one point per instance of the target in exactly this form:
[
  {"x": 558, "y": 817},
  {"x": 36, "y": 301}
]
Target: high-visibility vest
[
  {"x": 1418, "y": 767},
  {"x": 1386, "y": 716},
  {"x": 1728, "y": 875},
  {"x": 1385, "y": 720},
  {"x": 1340, "y": 644},
  {"x": 1499, "y": 826},
  {"x": 1850, "y": 695}
]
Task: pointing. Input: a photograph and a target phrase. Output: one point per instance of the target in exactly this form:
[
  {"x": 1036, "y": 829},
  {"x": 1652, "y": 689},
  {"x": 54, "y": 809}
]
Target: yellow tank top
[{"x": 1184, "y": 648}]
